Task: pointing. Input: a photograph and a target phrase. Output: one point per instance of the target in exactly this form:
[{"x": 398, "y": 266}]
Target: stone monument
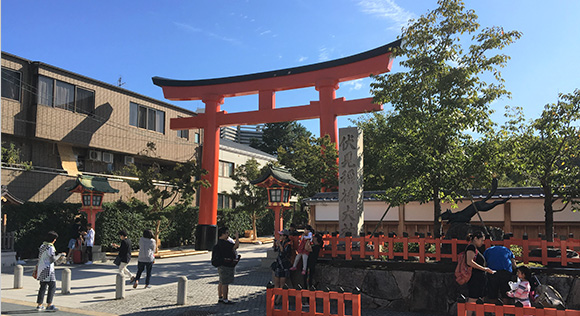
[{"x": 350, "y": 184}]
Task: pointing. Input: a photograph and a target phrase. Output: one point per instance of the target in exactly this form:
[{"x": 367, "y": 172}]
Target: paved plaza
[{"x": 93, "y": 289}]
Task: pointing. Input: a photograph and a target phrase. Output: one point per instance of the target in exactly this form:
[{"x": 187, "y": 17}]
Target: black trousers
[
  {"x": 51, "y": 290},
  {"x": 140, "y": 267},
  {"x": 89, "y": 253}
]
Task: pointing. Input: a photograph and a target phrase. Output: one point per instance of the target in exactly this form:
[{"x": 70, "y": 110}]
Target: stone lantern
[{"x": 279, "y": 183}]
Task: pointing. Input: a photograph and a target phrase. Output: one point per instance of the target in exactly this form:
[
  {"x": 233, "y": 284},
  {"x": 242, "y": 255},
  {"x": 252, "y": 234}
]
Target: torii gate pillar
[{"x": 325, "y": 77}]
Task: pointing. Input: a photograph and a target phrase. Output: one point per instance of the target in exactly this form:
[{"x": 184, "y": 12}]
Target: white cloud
[
  {"x": 387, "y": 9},
  {"x": 302, "y": 58},
  {"x": 187, "y": 27},
  {"x": 354, "y": 84},
  {"x": 265, "y": 32},
  {"x": 324, "y": 53},
  {"x": 193, "y": 29}
]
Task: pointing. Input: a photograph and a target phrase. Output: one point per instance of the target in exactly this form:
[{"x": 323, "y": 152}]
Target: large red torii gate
[{"x": 324, "y": 76}]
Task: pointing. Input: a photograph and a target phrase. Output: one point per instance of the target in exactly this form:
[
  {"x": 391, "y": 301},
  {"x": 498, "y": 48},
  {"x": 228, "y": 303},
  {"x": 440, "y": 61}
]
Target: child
[
  {"x": 521, "y": 290},
  {"x": 46, "y": 258},
  {"x": 302, "y": 251}
]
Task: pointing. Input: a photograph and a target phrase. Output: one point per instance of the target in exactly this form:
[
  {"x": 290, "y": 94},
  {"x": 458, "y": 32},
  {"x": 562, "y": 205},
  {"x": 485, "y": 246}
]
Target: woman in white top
[
  {"x": 147, "y": 246},
  {"x": 45, "y": 271}
]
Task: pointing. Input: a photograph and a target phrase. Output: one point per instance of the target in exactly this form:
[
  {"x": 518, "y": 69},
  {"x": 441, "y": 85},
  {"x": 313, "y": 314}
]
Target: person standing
[
  {"x": 226, "y": 252},
  {"x": 124, "y": 256},
  {"x": 317, "y": 243},
  {"x": 521, "y": 293},
  {"x": 302, "y": 251},
  {"x": 281, "y": 267},
  {"x": 501, "y": 259},
  {"x": 89, "y": 242},
  {"x": 147, "y": 246},
  {"x": 476, "y": 260},
  {"x": 45, "y": 271},
  {"x": 75, "y": 234}
]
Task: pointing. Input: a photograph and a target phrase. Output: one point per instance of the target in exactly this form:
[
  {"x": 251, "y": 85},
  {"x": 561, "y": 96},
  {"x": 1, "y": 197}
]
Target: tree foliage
[
  {"x": 547, "y": 151},
  {"x": 312, "y": 160},
  {"x": 276, "y": 135},
  {"x": 441, "y": 97},
  {"x": 249, "y": 198},
  {"x": 12, "y": 156},
  {"x": 165, "y": 185}
]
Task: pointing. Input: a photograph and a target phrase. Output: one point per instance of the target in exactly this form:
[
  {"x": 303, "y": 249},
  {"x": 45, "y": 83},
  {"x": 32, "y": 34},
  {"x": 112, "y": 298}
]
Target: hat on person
[{"x": 285, "y": 232}]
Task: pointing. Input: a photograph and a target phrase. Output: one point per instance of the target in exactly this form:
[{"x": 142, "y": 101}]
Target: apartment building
[{"x": 66, "y": 123}]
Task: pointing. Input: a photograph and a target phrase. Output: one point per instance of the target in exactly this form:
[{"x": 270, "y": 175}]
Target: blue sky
[{"x": 209, "y": 39}]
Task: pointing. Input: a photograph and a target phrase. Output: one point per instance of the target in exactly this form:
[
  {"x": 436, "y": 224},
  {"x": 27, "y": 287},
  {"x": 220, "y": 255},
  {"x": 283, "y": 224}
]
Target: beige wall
[{"x": 226, "y": 184}]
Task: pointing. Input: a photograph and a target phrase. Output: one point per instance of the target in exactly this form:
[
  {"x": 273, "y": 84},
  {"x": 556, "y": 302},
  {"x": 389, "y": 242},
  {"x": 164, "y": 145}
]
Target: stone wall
[{"x": 421, "y": 290}]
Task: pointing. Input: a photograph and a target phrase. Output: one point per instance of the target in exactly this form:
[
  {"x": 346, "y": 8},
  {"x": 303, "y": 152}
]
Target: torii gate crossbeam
[{"x": 325, "y": 77}]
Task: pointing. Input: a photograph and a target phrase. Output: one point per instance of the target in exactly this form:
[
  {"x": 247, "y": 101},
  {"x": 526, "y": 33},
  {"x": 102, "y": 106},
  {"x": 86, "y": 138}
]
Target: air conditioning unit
[
  {"x": 107, "y": 158},
  {"x": 95, "y": 155},
  {"x": 129, "y": 160}
]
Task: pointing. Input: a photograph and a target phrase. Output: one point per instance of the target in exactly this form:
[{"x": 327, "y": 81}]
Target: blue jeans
[
  {"x": 140, "y": 267},
  {"x": 51, "y": 290}
]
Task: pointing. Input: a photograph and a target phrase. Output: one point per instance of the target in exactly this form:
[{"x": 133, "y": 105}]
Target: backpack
[
  {"x": 217, "y": 259},
  {"x": 463, "y": 270},
  {"x": 546, "y": 296}
]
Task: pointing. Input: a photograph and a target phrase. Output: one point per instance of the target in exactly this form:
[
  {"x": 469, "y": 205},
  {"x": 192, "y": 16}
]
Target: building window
[
  {"x": 10, "y": 84},
  {"x": 146, "y": 118},
  {"x": 196, "y": 139},
  {"x": 183, "y": 134},
  {"x": 52, "y": 92},
  {"x": 226, "y": 169},
  {"x": 224, "y": 201}
]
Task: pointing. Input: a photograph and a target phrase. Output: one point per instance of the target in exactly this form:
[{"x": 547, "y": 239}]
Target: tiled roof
[{"x": 501, "y": 193}]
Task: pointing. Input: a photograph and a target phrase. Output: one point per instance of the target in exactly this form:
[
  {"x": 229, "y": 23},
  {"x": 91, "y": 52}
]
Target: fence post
[
  {"x": 182, "y": 291},
  {"x": 66, "y": 277},
  {"x": 120, "y": 287},
  {"x": 18, "y": 275}
]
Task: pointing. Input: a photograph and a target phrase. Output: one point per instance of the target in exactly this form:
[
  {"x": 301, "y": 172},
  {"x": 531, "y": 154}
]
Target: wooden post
[
  {"x": 507, "y": 217},
  {"x": 401, "y": 227}
]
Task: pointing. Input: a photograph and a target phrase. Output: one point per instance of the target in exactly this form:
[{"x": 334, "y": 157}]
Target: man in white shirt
[{"x": 89, "y": 242}]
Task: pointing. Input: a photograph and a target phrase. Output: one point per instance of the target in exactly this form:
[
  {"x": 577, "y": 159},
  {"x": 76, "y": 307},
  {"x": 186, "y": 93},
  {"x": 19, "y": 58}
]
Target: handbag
[
  {"x": 308, "y": 246},
  {"x": 463, "y": 270},
  {"x": 117, "y": 261},
  {"x": 35, "y": 272}
]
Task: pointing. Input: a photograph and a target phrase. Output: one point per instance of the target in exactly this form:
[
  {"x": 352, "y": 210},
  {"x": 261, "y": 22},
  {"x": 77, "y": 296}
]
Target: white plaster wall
[
  {"x": 533, "y": 211},
  {"x": 327, "y": 212},
  {"x": 374, "y": 211},
  {"x": 227, "y": 184}
]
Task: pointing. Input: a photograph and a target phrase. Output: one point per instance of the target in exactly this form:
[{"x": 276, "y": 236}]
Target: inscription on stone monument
[{"x": 350, "y": 184}]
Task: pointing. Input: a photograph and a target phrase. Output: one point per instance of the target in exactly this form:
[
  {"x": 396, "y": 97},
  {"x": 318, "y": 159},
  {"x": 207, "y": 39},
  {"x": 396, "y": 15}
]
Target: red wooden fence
[
  {"x": 465, "y": 309},
  {"x": 311, "y": 297},
  {"x": 375, "y": 247}
]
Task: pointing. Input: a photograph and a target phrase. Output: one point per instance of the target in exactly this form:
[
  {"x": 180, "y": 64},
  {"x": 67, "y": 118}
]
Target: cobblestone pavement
[{"x": 93, "y": 289}]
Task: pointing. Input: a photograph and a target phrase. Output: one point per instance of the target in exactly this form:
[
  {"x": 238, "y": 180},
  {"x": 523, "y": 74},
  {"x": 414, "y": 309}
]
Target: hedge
[{"x": 31, "y": 222}]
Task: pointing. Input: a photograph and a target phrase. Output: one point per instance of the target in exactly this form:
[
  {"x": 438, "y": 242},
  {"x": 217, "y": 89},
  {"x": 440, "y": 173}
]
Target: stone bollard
[
  {"x": 18, "y": 275},
  {"x": 66, "y": 277},
  {"x": 182, "y": 291},
  {"x": 120, "y": 287}
]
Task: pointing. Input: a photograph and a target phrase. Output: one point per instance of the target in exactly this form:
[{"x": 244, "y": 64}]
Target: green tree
[
  {"x": 314, "y": 161},
  {"x": 249, "y": 198},
  {"x": 165, "y": 185},
  {"x": 276, "y": 135},
  {"x": 547, "y": 151},
  {"x": 441, "y": 97},
  {"x": 11, "y": 155}
]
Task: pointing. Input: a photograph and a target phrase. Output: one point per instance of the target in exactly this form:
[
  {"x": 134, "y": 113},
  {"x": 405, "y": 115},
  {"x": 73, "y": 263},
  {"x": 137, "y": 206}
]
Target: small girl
[
  {"x": 302, "y": 252},
  {"x": 521, "y": 290}
]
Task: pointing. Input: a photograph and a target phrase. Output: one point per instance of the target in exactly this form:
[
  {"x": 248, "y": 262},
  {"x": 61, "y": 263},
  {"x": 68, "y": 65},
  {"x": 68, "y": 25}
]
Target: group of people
[
  {"x": 45, "y": 273},
  {"x": 492, "y": 273},
  {"x": 307, "y": 249},
  {"x": 80, "y": 236}
]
